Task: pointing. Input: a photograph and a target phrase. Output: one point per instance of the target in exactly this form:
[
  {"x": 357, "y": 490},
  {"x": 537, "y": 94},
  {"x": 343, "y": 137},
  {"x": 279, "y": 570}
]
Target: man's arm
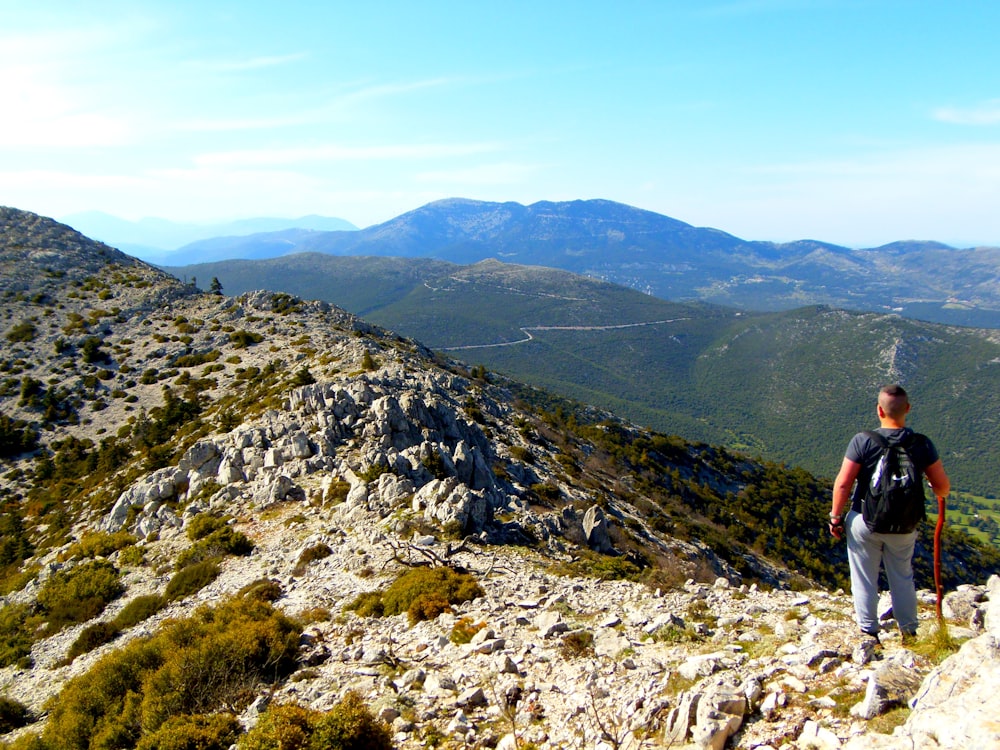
[
  {"x": 842, "y": 495},
  {"x": 842, "y": 486},
  {"x": 938, "y": 479}
]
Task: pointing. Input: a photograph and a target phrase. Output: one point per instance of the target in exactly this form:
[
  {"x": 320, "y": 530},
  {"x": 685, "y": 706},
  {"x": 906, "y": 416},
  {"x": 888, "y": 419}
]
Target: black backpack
[{"x": 894, "y": 499}]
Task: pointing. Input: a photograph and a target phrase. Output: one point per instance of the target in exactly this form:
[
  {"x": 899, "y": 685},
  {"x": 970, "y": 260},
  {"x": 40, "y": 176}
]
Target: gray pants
[{"x": 866, "y": 551}]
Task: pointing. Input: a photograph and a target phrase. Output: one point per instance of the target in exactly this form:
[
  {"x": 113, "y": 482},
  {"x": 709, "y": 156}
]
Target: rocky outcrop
[{"x": 957, "y": 704}]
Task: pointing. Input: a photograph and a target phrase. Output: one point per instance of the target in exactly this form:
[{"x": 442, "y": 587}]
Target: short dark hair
[{"x": 894, "y": 400}]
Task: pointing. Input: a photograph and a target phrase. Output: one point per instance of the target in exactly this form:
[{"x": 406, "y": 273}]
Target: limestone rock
[{"x": 595, "y": 528}]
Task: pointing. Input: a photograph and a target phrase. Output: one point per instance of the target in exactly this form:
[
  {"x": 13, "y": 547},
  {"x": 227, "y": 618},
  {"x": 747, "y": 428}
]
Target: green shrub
[
  {"x": 13, "y": 715},
  {"x": 92, "y": 352},
  {"x": 15, "y": 637},
  {"x": 217, "y": 658},
  {"x": 434, "y": 463},
  {"x": 22, "y": 332},
  {"x": 263, "y": 589},
  {"x": 311, "y": 554},
  {"x": 577, "y": 644},
  {"x": 191, "y": 579},
  {"x": 615, "y": 569},
  {"x": 195, "y": 732},
  {"x": 139, "y": 609},
  {"x": 16, "y": 437},
  {"x": 198, "y": 358},
  {"x": 219, "y": 543},
  {"x": 131, "y": 556},
  {"x": 99, "y": 544},
  {"x": 202, "y": 525},
  {"x": 78, "y": 594},
  {"x": 284, "y": 304},
  {"x": 242, "y": 339},
  {"x": 546, "y": 493},
  {"x": 349, "y": 725},
  {"x": 92, "y": 636},
  {"x": 423, "y": 593},
  {"x": 223, "y": 655},
  {"x": 368, "y": 604},
  {"x": 283, "y": 726},
  {"x": 337, "y": 491},
  {"x": 302, "y": 376}
]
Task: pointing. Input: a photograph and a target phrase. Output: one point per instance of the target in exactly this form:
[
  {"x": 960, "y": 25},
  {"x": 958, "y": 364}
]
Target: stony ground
[{"x": 557, "y": 661}]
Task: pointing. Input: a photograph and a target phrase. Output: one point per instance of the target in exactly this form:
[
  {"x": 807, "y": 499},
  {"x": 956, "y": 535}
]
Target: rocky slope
[{"x": 348, "y": 456}]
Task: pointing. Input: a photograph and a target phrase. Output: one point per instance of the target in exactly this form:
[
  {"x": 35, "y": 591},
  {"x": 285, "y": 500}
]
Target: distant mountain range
[
  {"x": 156, "y": 240},
  {"x": 661, "y": 256}
]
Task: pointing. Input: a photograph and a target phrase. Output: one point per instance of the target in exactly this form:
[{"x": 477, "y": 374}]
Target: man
[{"x": 867, "y": 550}]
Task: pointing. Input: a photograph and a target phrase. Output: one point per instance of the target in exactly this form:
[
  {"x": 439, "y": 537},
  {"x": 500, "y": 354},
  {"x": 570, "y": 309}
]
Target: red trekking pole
[{"x": 937, "y": 556}]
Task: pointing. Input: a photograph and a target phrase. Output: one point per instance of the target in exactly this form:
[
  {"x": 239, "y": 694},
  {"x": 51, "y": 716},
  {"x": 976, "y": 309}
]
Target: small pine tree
[{"x": 215, "y": 287}]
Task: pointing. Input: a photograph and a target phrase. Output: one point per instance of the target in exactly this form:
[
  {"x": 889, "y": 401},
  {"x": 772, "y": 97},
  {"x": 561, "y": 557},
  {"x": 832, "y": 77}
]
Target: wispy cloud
[
  {"x": 222, "y": 125},
  {"x": 485, "y": 174},
  {"x": 962, "y": 162},
  {"x": 377, "y": 91},
  {"x": 298, "y": 155},
  {"x": 253, "y": 63},
  {"x": 984, "y": 113},
  {"x": 40, "y": 112}
]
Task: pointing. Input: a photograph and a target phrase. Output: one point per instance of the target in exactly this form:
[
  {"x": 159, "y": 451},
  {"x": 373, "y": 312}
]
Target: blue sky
[{"x": 852, "y": 122}]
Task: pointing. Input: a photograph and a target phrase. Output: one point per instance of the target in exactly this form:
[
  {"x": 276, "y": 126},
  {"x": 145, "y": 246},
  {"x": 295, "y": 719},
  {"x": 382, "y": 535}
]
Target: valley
[{"x": 747, "y": 380}]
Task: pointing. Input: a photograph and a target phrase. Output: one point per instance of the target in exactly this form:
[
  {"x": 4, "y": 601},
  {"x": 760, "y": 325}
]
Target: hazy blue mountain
[
  {"x": 154, "y": 240},
  {"x": 668, "y": 258}
]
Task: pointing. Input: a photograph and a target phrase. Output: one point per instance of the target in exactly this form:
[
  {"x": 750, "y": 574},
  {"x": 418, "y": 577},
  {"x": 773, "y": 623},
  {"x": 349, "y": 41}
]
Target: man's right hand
[{"x": 837, "y": 528}]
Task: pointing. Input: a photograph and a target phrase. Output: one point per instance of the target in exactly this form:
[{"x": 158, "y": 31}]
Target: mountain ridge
[
  {"x": 670, "y": 259},
  {"x": 155, "y": 239}
]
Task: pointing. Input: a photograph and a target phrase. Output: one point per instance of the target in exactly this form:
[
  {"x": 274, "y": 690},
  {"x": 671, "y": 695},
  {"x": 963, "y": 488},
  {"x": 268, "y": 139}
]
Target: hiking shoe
[{"x": 909, "y": 639}]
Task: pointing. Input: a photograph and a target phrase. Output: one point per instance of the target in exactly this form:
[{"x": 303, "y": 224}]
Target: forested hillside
[{"x": 789, "y": 386}]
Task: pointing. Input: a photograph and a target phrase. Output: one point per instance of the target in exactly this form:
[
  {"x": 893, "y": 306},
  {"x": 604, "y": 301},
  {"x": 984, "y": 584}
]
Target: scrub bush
[
  {"x": 202, "y": 525},
  {"x": 191, "y": 579},
  {"x": 99, "y": 544},
  {"x": 198, "y": 732},
  {"x": 210, "y": 663},
  {"x": 92, "y": 636},
  {"x": 221, "y": 542},
  {"x": 423, "y": 593},
  {"x": 13, "y": 715},
  {"x": 78, "y": 594},
  {"x": 349, "y": 725},
  {"x": 139, "y": 609}
]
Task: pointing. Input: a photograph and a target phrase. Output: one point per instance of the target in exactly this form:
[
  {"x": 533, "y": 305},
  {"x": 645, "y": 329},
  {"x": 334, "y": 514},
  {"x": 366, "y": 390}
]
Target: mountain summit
[{"x": 240, "y": 520}]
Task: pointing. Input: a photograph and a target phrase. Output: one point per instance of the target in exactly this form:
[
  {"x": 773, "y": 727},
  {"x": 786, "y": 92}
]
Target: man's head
[{"x": 893, "y": 402}]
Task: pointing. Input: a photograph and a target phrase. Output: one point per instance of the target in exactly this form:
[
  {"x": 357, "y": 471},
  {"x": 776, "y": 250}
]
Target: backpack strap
[{"x": 878, "y": 437}]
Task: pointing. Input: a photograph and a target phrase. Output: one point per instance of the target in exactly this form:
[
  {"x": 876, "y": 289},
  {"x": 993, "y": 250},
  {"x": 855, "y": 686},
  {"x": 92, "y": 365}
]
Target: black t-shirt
[{"x": 865, "y": 451}]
